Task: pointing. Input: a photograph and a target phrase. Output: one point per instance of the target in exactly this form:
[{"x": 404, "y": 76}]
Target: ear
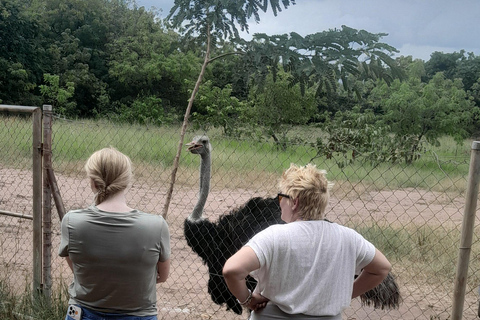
[
  {"x": 295, "y": 204},
  {"x": 92, "y": 185}
]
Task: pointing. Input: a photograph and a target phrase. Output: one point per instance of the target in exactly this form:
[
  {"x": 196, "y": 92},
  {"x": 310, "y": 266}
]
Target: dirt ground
[{"x": 184, "y": 295}]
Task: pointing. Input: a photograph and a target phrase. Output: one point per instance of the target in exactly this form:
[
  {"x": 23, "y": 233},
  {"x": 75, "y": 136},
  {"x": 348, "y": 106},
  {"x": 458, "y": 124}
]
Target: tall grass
[
  {"x": 441, "y": 168},
  {"x": 32, "y": 306}
]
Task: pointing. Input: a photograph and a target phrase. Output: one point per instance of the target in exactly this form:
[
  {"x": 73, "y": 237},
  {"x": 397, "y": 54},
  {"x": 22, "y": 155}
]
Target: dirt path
[{"x": 184, "y": 295}]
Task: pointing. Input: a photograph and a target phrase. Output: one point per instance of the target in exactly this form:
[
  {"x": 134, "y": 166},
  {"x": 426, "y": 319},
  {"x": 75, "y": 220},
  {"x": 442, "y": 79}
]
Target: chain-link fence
[
  {"x": 412, "y": 213},
  {"x": 20, "y": 197}
]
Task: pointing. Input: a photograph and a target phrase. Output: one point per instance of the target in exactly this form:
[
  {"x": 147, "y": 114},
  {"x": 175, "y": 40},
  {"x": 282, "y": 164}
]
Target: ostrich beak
[{"x": 193, "y": 146}]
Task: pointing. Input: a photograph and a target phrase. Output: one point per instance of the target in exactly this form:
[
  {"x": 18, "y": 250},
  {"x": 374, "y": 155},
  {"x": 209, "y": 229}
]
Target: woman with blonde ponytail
[{"x": 117, "y": 254}]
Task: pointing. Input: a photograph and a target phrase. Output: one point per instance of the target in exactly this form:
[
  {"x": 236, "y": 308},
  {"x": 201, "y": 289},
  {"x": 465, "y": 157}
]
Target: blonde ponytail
[{"x": 110, "y": 171}]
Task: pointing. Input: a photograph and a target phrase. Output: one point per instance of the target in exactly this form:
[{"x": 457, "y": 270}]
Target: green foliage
[
  {"x": 218, "y": 108},
  {"x": 415, "y": 111},
  {"x": 354, "y": 134},
  {"x": 145, "y": 61},
  {"x": 277, "y": 106},
  {"x": 474, "y": 93},
  {"x": 443, "y": 62},
  {"x": 228, "y": 69},
  {"x": 323, "y": 59},
  {"x": 456, "y": 65},
  {"x": 21, "y": 53},
  {"x": 55, "y": 95},
  {"x": 111, "y": 51},
  {"x": 146, "y": 110},
  {"x": 411, "y": 114},
  {"x": 219, "y": 18},
  {"x": 76, "y": 33}
]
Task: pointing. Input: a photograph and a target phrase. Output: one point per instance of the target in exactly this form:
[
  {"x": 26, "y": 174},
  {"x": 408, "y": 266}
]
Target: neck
[
  {"x": 115, "y": 203},
  {"x": 197, "y": 213}
]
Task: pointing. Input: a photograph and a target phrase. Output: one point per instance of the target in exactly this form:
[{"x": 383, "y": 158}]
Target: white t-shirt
[{"x": 308, "y": 267}]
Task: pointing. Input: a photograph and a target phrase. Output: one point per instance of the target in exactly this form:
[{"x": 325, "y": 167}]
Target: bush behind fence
[{"x": 412, "y": 213}]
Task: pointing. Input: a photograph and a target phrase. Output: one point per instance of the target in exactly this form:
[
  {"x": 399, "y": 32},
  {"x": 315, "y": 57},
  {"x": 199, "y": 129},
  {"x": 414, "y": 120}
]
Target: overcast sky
[{"x": 414, "y": 27}]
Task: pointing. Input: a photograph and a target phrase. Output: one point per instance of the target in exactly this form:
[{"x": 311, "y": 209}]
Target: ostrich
[{"x": 216, "y": 241}]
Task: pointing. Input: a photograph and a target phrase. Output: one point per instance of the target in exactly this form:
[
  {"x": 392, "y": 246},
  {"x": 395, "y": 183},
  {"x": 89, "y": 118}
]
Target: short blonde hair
[
  {"x": 111, "y": 172},
  {"x": 310, "y": 186}
]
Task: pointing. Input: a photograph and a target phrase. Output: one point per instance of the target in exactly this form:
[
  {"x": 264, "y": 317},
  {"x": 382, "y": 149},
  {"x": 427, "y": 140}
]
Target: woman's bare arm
[
  {"x": 163, "y": 269},
  {"x": 372, "y": 275}
]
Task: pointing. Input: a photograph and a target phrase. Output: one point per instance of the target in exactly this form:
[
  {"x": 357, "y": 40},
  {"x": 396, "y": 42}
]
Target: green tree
[
  {"x": 145, "y": 61},
  {"x": 78, "y": 32},
  {"x": 145, "y": 110},
  {"x": 418, "y": 113},
  {"x": 210, "y": 21},
  {"x": 443, "y": 62},
  {"x": 324, "y": 59},
  {"x": 468, "y": 69},
  {"x": 456, "y": 65},
  {"x": 20, "y": 53},
  {"x": 353, "y": 134},
  {"x": 217, "y": 107},
  {"x": 277, "y": 106},
  {"x": 57, "y": 96},
  {"x": 474, "y": 93}
]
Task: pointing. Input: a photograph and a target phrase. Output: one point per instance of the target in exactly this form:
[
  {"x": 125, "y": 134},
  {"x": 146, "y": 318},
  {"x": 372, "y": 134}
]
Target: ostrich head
[{"x": 201, "y": 145}]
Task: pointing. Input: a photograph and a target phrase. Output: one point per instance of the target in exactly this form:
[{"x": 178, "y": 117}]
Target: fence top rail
[{"x": 7, "y": 107}]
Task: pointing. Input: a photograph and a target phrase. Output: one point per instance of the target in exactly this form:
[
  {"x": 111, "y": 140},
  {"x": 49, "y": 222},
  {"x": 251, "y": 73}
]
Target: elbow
[
  {"x": 384, "y": 270},
  {"x": 231, "y": 272},
  {"x": 388, "y": 268},
  {"x": 227, "y": 271}
]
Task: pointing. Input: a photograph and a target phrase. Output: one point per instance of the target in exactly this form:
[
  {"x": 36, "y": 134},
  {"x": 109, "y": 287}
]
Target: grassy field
[{"x": 73, "y": 141}]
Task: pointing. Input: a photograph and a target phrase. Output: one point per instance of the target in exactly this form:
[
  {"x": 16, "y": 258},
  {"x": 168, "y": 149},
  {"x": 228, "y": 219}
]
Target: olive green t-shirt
[{"x": 114, "y": 259}]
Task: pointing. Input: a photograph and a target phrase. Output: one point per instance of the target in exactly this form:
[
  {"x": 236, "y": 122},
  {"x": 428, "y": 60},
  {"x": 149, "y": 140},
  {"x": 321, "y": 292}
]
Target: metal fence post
[
  {"x": 37, "y": 199},
  {"x": 467, "y": 232},
  {"x": 47, "y": 202}
]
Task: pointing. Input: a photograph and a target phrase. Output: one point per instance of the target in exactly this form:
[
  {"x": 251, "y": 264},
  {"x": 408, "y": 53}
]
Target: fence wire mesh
[
  {"x": 16, "y": 234},
  {"x": 411, "y": 213}
]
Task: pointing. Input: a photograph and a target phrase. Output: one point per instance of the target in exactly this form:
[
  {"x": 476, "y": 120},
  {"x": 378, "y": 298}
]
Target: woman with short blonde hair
[
  {"x": 305, "y": 268},
  {"x": 310, "y": 186}
]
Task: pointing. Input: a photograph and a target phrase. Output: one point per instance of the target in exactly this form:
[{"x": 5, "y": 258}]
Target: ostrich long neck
[{"x": 205, "y": 164}]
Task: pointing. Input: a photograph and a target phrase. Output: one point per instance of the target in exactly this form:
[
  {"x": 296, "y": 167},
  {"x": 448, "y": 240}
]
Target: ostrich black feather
[{"x": 215, "y": 242}]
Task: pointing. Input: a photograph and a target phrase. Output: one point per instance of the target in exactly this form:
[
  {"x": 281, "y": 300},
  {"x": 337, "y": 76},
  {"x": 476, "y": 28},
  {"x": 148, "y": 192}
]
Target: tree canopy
[{"x": 112, "y": 58}]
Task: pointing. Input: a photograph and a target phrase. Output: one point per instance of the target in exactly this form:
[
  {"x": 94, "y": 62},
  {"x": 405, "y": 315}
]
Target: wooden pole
[
  {"x": 37, "y": 199},
  {"x": 20, "y": 109},
  {"x": 184, "y": 127},
  {"x": 57, "y": 197},
  {"x": 47, "y": 202},
  {"x": 467, "y": 232},
  {"x": 16, "y": 215}
]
